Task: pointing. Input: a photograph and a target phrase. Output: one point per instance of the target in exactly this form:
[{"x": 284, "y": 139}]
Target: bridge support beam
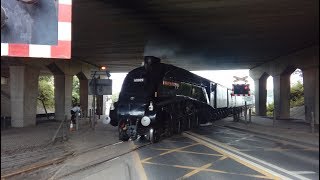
[
  {"x": 311, "y": 92},
  {"x": 24, "y": 93}
]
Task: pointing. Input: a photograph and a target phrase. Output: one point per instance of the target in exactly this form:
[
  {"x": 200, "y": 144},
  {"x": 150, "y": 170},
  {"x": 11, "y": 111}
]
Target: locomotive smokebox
[{"x": 149, "y": 61}]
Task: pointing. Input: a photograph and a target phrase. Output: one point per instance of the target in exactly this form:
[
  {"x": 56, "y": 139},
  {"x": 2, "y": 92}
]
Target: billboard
[{"x": 36, "y": 28}]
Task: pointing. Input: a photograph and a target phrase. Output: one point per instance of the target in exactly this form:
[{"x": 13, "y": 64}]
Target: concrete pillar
[
  {"x": 63, "y": 95},
  {"x": 84, "y": 95},
  {"x": 260, "y": 88},
  {"x": 104, "y": 98},
  {"x": 311, "y": 92},
  {"x": 281, "y": 93},
  {"x": 24, "y": 92}
]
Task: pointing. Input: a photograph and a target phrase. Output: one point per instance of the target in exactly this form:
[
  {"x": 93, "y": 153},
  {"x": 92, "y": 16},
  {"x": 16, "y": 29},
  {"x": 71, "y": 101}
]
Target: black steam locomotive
[{"x": 160, "y": 100}]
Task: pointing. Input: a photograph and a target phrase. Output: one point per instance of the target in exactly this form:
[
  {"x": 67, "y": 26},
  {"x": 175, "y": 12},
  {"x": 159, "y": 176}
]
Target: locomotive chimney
[{"x": 149, "y": 61}]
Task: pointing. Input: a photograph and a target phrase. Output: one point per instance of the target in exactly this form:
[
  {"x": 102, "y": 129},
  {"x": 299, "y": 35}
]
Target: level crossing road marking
[
  {"x": 208, "y": 170},
  {"x": 139, "y": 166},
  {"x": 198, "y": 169},
  {"x": 230, "y": 152},
  {"x": 170, "y": 151},
  {"x": 190, "y": 152},
  {"x": 195, "y": 171}
]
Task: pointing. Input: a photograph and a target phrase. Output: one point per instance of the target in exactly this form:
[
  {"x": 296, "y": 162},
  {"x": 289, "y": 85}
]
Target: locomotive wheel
[
  {"x": 123, "y": 136},
  {"x": 177, "y": 127},
  {"x": 196, "y": 122},
  {"x": 153, "y": 136}
]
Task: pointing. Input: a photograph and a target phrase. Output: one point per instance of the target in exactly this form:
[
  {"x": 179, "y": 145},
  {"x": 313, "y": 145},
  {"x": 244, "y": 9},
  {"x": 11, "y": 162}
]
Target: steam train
[{"x": 159, "y": 99}]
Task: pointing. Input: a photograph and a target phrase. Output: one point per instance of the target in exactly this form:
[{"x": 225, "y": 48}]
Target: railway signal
[{"x": 241, "y": 89}]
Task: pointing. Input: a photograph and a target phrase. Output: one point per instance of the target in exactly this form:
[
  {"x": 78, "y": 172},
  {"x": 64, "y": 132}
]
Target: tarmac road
[{"x": 211, "y": 152}]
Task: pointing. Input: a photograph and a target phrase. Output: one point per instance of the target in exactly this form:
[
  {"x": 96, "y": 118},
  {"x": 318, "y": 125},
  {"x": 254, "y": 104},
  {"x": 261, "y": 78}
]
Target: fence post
[
  {"x": 312, "y": 122},
  {"x": 90, "y": 117},
  {"x": 249, "y": 115},
  {"x": 245, "y": 111},
  {"x": 274, "y": 118},
  {"x": 77, "y": 121}
]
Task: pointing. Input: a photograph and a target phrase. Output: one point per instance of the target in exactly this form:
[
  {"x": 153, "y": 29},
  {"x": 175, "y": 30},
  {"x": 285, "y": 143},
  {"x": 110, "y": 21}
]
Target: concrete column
[
  {"x": 281, "y": 93},
  {"x": 104, "y": 98},
  {"x": 311, "y": 92},
  {"x": 63, "y": 96},
  {"x": 24, "y": 92},
  {"x": 260, "y": 88},
  {"x": 84, "y": 95}
]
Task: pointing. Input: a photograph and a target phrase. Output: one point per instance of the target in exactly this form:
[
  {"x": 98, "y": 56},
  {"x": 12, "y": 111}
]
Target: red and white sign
[{"x": 61, "y": 50}]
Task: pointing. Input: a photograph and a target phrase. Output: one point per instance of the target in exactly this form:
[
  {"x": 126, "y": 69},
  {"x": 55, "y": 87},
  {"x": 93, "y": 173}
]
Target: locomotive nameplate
[{"x": 138, "y": 80}]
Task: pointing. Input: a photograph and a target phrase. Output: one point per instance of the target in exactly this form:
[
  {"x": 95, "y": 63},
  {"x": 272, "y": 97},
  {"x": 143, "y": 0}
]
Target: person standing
[{"x": 75, "y": 110}]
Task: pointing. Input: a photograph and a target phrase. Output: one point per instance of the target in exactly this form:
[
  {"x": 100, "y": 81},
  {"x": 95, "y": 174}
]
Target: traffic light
[{"x": 241, "y": 89}]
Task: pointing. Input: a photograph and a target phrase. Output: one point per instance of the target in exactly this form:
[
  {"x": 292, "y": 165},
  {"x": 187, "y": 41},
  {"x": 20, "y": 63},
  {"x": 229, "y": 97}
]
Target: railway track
[{"x": 102, "y": 160}]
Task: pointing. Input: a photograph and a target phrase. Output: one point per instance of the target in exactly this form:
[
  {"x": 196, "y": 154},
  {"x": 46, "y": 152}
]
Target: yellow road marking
[
  {"x": 177, "y": 149},
  {"x": 170, "y": 151},
  {"x": 167, "y": 140},
  {"x": 196, "y": 171},
  {"x": 208, "y": 170},
  {"x": 201, "y": 168},
  {"x": 139, "y": 166},
  {"x": 232, "y": 157},
  {"x": 190, "y": 152},
  {"x": 222, "y": 158}
]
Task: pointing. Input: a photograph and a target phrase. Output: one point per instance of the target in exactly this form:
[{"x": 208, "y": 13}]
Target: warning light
[
  {"x": 241, "y": 89},
  {"x": 103, "y": 68}
]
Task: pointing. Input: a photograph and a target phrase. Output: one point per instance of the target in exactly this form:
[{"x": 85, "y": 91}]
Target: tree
[
  {"x": 46, "y": 91},
  {"x": 75, "y": 90},
  {"x": 297, "y": 95}
]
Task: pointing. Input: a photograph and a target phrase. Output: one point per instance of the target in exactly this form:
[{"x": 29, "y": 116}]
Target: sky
[{"x": 223, "y": 77}]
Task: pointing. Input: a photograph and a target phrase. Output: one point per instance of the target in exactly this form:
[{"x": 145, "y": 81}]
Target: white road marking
[{"x": 303, "y": 172}]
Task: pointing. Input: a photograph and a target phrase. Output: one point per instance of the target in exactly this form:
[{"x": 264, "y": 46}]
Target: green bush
[
  {"x": 297, "y": 95},
  {"x": 46, "y": 91},
  {"x": 270, "y": 109},
  {"x": 75, "y": 90}
]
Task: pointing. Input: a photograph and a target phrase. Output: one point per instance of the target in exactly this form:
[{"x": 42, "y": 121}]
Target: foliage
[
  {"x": 115, "y": 97},
  {"x": 296, "y": 98},
  {"x": 75, "y": 90},
  {"x": 270, "y": 109},
  {"x": 297, "y": 95},
  {"x": 46, "y": 91}
]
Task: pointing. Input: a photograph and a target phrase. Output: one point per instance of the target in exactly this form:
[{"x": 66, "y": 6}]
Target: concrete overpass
[{"x": 268, "y": 37}]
